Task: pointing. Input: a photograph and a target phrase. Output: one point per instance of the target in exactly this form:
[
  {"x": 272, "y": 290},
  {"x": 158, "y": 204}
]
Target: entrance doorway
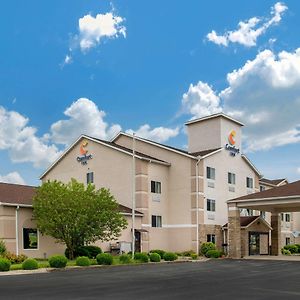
[
  {"x": 254, "y": 243},
  {"x": 137, "y": 245}
]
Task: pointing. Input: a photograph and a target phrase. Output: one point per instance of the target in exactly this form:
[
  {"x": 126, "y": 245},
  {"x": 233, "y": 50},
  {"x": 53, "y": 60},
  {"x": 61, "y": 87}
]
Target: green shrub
[
  {"x": 104, "y": 259},
  {"x": 2, "y": 248},
  {"x": 58, "y": 261},
  {"x": 194, "y": 256},
  {"x": 30, "y": 264},
  {"x": 125, "y": 259},
  {"x": 285, "y": 251},
  {"x": 213, "y": 254},
  {"x": 188, "y": 253},
  {"x": 298, "y": 246},
  {"x": 83, "y": 261},
  {"x": 93, "y": 251},
  {"x": 155, "y": 257},
  {"x": 292, "y": 248},
  {"x": 89, "y": 251},
  {"x": 170, "y": 256},
  {"x": 141, "y": 256},
  {"x": 160, "y": 252},
  {"x": 15, "y": 259},
  {"x": 206, "y": 247},
  {"x": 4, "y": 264}
]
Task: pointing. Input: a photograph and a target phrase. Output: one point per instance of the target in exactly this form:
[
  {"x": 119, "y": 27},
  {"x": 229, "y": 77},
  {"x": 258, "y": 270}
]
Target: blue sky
[{"x": 147, "y": 66}]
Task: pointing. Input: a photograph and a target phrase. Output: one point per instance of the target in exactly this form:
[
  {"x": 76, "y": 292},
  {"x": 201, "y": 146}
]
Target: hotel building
[{"x": 180, "y": 195}]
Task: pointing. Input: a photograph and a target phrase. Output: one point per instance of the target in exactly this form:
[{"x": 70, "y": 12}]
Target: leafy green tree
[{"x": 77, "y": 215}]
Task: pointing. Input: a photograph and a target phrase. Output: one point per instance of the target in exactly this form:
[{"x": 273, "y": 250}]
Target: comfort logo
[
  {"x": 82, "y": 150},
  {"x": 231, "y": 137}
]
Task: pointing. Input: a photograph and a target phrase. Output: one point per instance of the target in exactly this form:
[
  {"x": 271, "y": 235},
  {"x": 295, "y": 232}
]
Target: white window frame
[
  {"x": 38, "y": 239},
  {"x": 211, "y": 203},
  {"x": 156, "y": 221},
  {"x": 210, "y": 173},
  {"x": 157, "y": 187},
  {"x": 88, "y": 174},
  {"x": 211, "y": 238},
  {"x": 250, "y": 181},
  {"x": 231, "y": 178}
]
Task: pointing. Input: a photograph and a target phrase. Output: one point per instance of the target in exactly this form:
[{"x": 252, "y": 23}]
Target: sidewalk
[{"x": 273, "y": 257}]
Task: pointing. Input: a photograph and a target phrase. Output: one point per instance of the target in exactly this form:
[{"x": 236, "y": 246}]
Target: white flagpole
[{"x": 133, "y": 195}]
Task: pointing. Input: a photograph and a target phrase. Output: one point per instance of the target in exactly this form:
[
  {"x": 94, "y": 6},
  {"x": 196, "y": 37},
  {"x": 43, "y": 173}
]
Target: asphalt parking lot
[{"x": 215, "y": 279}]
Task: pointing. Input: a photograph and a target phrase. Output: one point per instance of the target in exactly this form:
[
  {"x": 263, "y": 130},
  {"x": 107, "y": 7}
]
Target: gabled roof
[
  {"x": 213, "y": 116},
  {"x": 16, "y": 194},
  {"x": 247, "y": 221},
  {"x": 247, "y": 160},
  {"x": 290, "y": 190},
  {"x": 111, "y": 145},
  {"x": 22, "y": 195},
  {"x": 194, "y": 155},
  {"x": 273, "y": 182}
]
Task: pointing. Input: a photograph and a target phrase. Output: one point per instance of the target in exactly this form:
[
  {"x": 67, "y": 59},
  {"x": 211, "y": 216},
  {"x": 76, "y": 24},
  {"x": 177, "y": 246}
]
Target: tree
[{"x": 77, "y": 215}]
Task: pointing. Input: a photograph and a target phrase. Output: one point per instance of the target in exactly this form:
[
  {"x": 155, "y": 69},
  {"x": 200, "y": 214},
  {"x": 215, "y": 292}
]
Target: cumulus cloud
[
  {"x": 84, "y": 117},
  {"x": 13, "y": 177},
  {"x": 158, "y": 134},
  {"x": 21, "y": 141},
  {"x": 92, "y": 30},
  {"x": 200, "y": 100},
  {"x": 248, "y": 31},
  {"x": 264, "y": 94}
]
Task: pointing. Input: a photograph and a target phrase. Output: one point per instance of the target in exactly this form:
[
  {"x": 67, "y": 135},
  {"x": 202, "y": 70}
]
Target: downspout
[
  {"x": 197, "y": 205},
  {"x": 17, "y": 230},
  {"x": 133, "y": 196}
]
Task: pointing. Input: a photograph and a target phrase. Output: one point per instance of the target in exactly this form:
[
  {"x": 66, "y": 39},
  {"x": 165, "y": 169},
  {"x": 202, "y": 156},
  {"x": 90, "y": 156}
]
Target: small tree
[{"x": 77, "y": 215}]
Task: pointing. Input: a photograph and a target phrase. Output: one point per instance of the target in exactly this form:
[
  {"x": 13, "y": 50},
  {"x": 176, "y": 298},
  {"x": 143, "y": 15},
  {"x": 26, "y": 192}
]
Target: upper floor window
[
  {"x": 287, "y": 217},
  {"x": 155, "y": 187},
  {"x": 262, "y": 188},
  {"x": 231, "y": 178},
  {"x": 210, "y": 173},
  {"x": 263, "y": 214},
  {"x": 156, "y": 221},
  {"x": 90, "y": 177},
  {"x": 211, "y": 205},
  {"x": 249, "y": 182}
]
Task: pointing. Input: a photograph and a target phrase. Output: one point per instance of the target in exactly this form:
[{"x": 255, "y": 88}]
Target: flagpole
[{"x": 133, "y": 195}]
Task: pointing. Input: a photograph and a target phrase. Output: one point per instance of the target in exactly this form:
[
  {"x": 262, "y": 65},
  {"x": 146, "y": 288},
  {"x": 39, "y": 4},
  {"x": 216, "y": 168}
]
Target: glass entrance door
[{"x": 254, "y": 243}]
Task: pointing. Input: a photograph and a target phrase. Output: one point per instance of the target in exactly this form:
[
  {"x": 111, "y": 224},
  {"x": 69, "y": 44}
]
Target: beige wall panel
[{"x": 141, "y": 184}]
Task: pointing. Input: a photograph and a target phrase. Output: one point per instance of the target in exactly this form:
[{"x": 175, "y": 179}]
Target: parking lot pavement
[{"x": 214, "y": 279}]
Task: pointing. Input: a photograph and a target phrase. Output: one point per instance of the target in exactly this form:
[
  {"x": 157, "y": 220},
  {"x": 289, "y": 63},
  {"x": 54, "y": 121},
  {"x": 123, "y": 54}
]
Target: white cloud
[
  {"x": 84, "y": 117},
  {"x": 158, "y": 134},
  {"x": 13, "y": 177},
  {"x": 93, "y": 29},
  {"x": 248, "y": 31},
  {"x": 265, "y": 95},
  {"x": 21, "y": 140},
  {"x": 200, "y": 100}
]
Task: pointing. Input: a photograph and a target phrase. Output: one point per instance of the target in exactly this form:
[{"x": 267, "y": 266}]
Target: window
[
  {"x": 263, "y": 214},
  {"x": 211, "y": 238},
  {"x": 282, "y": 217},
  {"x": 211, "y": 205},
  {"x": 90, "y": 177},
  {"x": 287, "y": 240},
  {"x": 249, "y": 212},
  {"x": 211, "y": 173},
  {"x": 262, "y": 188},
  {"x": 231, "y": 178},
  {"x": 287, "y": 217},
  {"x": 155, "y": 187},
  {"x": 30, "y": 238},
  {"x": 249, "y": 182},
  {"x": 156, "y": 221}
]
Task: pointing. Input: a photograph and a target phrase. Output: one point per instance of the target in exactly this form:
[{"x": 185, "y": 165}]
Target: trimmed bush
[
  {"x": 141, "y": 256},
  {"x": 298, "y": 246},
  {"x": 15, "y": 259},
  {"x": 160, "y": 252},
  {"x": 2, "y": 248},
  {"x": 155, "y": 257},
  {"x": 83, "y": 261},
  {"x": 194, "y": 256},
  {"x": 188, "y": 253},
  {"x": 285, "y": 252},
  {"x": 89, "y": 251},
  {"x": 292, "y": 248},
  {"x": 170, "y": 256},
  {"x": 4, "y": 264},
  {"x": 213, "y": 254},
  {"x": 58, "y": 261},
  {"x": 104, "y": 259},
  {"x": 30, "y": 264},
  {"x": 125, "y": 259},
  {"x": 206, "y": 247},
  {"x": 93, "y": 250}
]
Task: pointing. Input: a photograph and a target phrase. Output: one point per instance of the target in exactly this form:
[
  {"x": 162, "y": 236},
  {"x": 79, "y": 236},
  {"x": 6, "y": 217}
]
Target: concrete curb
[{"x": 70, "y": 268}]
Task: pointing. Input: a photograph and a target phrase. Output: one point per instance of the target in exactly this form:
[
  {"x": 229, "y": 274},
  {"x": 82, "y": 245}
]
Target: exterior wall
[{"x": 46, "y": 244}]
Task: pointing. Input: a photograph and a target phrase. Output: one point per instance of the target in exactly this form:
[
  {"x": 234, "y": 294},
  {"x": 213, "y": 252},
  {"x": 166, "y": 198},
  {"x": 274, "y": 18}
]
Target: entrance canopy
[{"x": 284, "y": 198}]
